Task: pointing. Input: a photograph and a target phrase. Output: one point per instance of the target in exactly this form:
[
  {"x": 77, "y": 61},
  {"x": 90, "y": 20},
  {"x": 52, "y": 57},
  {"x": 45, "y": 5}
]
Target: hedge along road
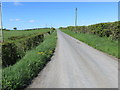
[{"x": 77, "y": 65}]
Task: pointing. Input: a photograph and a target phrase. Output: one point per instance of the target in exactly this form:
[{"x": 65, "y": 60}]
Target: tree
[
  {"x": 52, "y": 28},
  {"x": 15, "y": 28}
]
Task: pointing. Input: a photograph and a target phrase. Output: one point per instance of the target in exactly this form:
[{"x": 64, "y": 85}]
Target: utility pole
[
  {"x": 75, "y": 18},
  {"x": 1, "y": 33},
  {"x": 1, "y": 40}
]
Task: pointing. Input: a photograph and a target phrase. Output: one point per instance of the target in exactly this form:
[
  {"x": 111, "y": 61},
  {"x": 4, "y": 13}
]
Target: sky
[
  {"x": 61, "y": 0},
  {"x": 25, "y": 15}
]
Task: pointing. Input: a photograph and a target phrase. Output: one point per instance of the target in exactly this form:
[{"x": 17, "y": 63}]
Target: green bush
[{"x": 9, "y": 54}]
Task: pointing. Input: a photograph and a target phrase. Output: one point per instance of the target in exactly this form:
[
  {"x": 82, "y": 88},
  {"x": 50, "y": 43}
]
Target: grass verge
[
  {"x": 21, "y": 73},
  {"x": 101, "y": 43}
]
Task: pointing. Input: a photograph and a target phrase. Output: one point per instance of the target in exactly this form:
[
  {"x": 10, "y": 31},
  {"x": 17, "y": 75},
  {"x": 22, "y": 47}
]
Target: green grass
[
  {"x": 21, "y": 34},
  {"x": 101, "y": 43},
  {"x": 21, "y": 73}
]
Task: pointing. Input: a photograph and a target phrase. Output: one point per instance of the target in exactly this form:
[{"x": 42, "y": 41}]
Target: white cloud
[
  {"x": 16, "y": 3},
  {"x": 14, "y": 19},
  {"x": 31, "y": 21},
  {"x": 17, "y": 20},
  {"x": 11, "y": 20}
]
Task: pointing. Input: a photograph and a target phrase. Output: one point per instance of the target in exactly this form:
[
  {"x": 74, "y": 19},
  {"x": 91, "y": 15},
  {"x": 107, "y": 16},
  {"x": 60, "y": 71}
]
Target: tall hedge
[
  {"x": 111, "y": 30},
  {"x": 12, "y": 51},
  {"x": 19, "y": 75}
]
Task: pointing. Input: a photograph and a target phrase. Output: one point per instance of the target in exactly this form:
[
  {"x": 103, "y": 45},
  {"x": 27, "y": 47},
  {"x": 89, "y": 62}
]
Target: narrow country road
[{"x": 77, "y": 65}]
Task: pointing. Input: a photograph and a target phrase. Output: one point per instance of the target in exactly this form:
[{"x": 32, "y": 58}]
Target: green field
[
  {"x": 104, "y": 44},
  {"x": 16, "y": 35},
  {"x": 21, "y": 73}
]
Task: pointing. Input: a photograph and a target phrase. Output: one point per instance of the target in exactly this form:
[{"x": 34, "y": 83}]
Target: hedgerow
[
  {"x": 110, "y": 30},
  {"x": 14, "y": 50},
  {"x": 20, "y": 74}
]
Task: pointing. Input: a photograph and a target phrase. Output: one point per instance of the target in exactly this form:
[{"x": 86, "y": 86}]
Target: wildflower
[{"x": 42, "y": 53}]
